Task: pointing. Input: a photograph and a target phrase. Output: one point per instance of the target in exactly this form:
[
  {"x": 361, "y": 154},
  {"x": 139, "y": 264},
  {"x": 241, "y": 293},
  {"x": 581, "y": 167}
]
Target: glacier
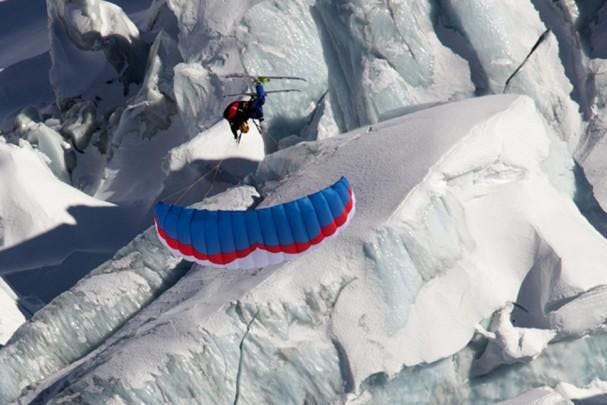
[
  {"x": 472, "y": 132},
  {"x": 252, "y": 319}
]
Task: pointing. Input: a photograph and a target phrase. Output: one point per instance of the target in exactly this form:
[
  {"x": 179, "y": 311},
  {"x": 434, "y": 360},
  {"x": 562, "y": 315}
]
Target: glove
[{"x": 262, "y": 80}]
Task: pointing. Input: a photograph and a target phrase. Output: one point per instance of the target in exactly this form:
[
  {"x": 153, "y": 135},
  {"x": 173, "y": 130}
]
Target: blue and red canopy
[{"x": 255, "y": 238}]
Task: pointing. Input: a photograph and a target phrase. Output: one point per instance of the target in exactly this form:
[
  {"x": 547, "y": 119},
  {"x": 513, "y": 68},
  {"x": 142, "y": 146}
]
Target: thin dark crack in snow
[
  {"x": 240, "y": 359},
  {"x": 345, "y": 369},
  {"x": 533, "y": 49}
]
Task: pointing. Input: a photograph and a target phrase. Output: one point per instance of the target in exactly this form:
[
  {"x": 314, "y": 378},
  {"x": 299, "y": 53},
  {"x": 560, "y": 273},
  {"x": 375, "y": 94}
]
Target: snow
[
  {"x": 23, "y": 31},
  {"x": 539, "y": 396},
  {"x": 371, "y": 74},
  {"x": 486, "y": 158},
  {"x": 24, "y": 83},
  {"x": 509, "y": 344},
  {"x": 10, "y": 315},
  {"x": 563, "y": 393},
  {"x": 456, "y": 204},
  {"x": 26, "y": 210},
  {"x": 48, "y": 142},
  {"x": 99, "y": 38},
  {"x": 519, "y": 55}
]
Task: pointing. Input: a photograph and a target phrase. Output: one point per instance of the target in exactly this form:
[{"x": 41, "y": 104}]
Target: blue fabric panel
[
  {"x": 160, "y": 211},
  {"x": 239, "y": 227},
  {"x": 183, "y": 226},
  {"x": 268, "y": 229},
  {"x": 198, "y": 232},
  {"x": 296, "y": 224},
  {"x": 170, "y": 221},
  {"x": 342, "y": 190},
  {"x": 323, "y": 212},
  {"x": 226, "y": 234},
  {"x": 253, "y": 227},
  {"x": 283, "y": 229},
  {"x": 211, "y": 232},
  {"x": 335, "y": 204},
  {"x": 309, "y": 217}
]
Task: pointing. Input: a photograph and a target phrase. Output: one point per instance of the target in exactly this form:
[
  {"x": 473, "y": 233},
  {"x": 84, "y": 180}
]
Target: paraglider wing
[{"x": 255, "y": 238}]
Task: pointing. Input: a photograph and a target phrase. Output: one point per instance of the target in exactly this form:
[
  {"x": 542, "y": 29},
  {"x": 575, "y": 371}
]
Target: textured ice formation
[
  {"x": 79, "y": 124},
  {"x": 483, "y": 207},
  {"x": 509, "y": 344},
  {"x": 97, "y": 38},
  {"x": 81, "y": 319},
  {"x": 539, "y": 396},
  {"x": 425, "y": 264},
  {"x": 47, "y": 141},
  {"x": 147, "y": 129},
  {"x": 385, "y": 55},
  {"x": 518, "y": 54},
  {"x": 563, "y": 393}
]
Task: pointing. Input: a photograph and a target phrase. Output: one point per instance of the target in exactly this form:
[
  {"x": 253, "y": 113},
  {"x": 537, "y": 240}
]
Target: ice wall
[
  {"x": 94, "y": 48},
  {"x": 385, "y": 55},
  {"x": 519, "y": 54}
]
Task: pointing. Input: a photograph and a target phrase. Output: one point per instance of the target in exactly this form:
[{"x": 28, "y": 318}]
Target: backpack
[{"x": 231, "y": 111}]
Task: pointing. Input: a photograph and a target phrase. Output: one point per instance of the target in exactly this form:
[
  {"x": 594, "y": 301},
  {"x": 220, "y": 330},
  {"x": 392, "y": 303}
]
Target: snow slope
[
  {"x": 10, "y": 315},
  {"x": 312, "y": 315},
  {"x": 31, "y": 212}
]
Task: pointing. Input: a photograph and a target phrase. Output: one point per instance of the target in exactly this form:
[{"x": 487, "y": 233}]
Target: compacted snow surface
[{"x": 473, "y": 270}]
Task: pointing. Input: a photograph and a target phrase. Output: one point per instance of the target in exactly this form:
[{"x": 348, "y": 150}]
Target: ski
[
  {"x": 267, "y": 92},
  {"x": 245, "y": 76},
  {"x": 257, "y": 125}
]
